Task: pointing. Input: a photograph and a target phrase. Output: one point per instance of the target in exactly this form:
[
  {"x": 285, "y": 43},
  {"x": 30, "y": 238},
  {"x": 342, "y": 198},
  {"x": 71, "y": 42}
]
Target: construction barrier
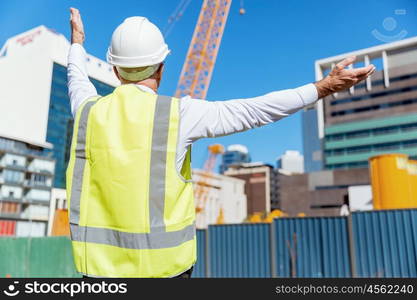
[
  {"x": 311, "y": 247},
  {"x": 36, "y": 257},
  {"x": 385, "y": 243},
  {"x": 241, "y": 250},
  {"x": 201, "y": 264},
  {"x": 366, "y": 244}
]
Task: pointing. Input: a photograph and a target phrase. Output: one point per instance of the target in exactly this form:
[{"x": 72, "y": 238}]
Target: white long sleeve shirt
[{"x": 200, "y": 118}]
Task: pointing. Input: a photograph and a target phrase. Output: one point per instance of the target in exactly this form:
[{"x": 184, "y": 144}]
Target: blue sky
[{"x": 272, "y": 47}]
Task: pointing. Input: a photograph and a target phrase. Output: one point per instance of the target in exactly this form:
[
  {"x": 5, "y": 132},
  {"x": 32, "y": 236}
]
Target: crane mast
[{"x": 202, "y": 53}]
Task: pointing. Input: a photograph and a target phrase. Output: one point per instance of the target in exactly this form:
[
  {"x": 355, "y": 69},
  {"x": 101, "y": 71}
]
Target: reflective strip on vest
[
  {"x": 158, "y": 164},
  {"x": 77, "y": 177},
  {"x": 158, "y": 237},
  {"x": 153, "y": 240}
]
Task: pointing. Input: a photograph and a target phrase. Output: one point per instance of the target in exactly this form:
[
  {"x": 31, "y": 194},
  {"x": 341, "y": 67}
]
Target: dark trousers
[{"x": 186, "y": 274}]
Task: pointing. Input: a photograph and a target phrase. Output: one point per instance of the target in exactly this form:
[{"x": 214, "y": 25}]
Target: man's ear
[
  {"x": 159, "y": 73},
  {"x": 116, "y": 72},
  {"x": 161, "y": 70}
]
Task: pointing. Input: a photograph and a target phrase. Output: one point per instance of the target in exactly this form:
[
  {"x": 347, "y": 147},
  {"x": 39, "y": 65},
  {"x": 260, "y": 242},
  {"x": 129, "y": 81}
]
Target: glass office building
[
  {"x": 378, "y": 116},
  {"x": 311, "y": 142},
  {"x": 60, "y": 120}
]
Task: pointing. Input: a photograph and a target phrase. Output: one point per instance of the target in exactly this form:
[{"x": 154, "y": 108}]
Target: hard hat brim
[{"x": 138, "y": 61}]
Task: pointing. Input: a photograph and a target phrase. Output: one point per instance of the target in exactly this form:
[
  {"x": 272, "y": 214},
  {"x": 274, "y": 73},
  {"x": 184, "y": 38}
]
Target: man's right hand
[
  {"x": 77, "y": 28},
  {"x": 341, "y": 79}
]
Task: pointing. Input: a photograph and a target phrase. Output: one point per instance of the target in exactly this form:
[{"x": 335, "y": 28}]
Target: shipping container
[
  {"x": 239, "y": 250},
  {"x": 311, "y": 247},
  {"x": 385, "y": 243}
]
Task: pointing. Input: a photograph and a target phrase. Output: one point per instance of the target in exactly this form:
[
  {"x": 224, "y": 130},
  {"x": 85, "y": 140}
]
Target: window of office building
[{"x": 60, "y": 121}]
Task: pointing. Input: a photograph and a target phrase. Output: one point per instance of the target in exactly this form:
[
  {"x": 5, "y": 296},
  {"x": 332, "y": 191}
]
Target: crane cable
[{"x": 176, "y": 16}]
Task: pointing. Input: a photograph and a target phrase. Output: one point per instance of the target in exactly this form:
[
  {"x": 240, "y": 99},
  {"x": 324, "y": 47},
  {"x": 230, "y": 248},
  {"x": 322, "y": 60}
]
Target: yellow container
[
  {"x": 412, "y": 173},
  {"x": 390, "y": 181}
]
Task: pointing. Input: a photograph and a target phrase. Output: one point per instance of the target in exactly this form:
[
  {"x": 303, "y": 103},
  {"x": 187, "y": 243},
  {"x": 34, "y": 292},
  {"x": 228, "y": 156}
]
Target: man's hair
[{"x": 137, "y": 74}]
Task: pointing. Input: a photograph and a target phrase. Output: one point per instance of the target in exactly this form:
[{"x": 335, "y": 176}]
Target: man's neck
[{"x": 150, "y": 83}]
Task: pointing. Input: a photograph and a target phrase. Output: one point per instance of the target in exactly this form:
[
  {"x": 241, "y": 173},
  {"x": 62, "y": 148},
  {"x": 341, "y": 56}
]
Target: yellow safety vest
[{"x": 131, "y": 211}]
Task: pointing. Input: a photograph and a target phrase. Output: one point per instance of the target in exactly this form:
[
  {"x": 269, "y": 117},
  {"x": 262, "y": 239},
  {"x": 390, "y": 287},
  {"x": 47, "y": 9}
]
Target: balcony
[
  {"x": 25, "y": 200},
  {"x": 15, "y": 167},
  {"x": 7, "y": 215},
  {"x": 12, "y": 167},
  {"x": 10, "y": 199},
  {"x": 39, "y": 171},
  {"x": 32, "y": 200},
  {"x": 22, "y": 217},
  {"x": 39, "y": 185}
]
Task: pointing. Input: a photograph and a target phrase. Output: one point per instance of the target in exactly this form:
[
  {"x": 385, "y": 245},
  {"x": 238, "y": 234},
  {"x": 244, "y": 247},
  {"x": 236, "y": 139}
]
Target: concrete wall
[{"x": 318, "y": 193}]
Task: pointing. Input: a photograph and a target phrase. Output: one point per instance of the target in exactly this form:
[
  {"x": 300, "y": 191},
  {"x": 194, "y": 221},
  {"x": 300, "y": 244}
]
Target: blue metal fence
[
  {"x": 366, "y": 244},
  {"x": 239, "y": 250},
  {"x": 200, "y": 266},
  {"x": 385, "y": 243},
  {"x": 311, "y": 247}
]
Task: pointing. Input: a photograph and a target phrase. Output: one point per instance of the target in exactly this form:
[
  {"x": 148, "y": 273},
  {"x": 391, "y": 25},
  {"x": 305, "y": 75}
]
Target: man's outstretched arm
[
  {"x": 80, "y": 87},
  {"x": 218, "y": 118}
]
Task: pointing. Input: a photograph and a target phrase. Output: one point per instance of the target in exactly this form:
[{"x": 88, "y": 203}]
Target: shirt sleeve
[
  {"x": 202, "y": 118},
  {"x": 80, "y": 87}
]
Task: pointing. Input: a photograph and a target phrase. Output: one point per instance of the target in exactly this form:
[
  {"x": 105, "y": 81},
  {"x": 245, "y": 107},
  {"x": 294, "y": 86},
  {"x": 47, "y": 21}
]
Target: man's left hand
[
  {"x": 341, "y": 78},
  {"x": 77, "y": 28}
]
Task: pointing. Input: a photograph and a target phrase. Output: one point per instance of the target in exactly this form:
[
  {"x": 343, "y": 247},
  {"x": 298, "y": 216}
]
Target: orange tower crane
[{"x": 202, "y": 53}]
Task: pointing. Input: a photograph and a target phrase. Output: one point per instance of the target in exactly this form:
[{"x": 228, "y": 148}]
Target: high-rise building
[
  {"x": 291, "y": 161},
  {"x": 234, "y": 154},
  {"x": 26, "y": 174},
  {"x": 260, "y": 185},
  {"x": 375, "y": 117},
  {"x": 224, "y": 200},
  {"x": 34, "y": 92},
  {"x": 312, "y": 147}
]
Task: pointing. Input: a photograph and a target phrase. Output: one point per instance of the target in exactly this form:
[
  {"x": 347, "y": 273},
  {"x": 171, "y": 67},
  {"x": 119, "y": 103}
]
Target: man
[{"x": 129, "y": 176}]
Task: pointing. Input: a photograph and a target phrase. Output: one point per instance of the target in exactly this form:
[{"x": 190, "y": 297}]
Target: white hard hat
[{"x": 137, "y": 43}]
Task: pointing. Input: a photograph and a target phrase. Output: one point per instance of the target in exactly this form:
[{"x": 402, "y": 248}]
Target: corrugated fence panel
[
  {"x": 385, "y": 243},
  {"x": 36, "y": 257},
  {"x": 13, "y": 257},
  {"x": 200, "y": 266},
  {"x": 312, "y": 247},
  {"x": 241, "y": 250},
  {"x": 51, "y": 257}
]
